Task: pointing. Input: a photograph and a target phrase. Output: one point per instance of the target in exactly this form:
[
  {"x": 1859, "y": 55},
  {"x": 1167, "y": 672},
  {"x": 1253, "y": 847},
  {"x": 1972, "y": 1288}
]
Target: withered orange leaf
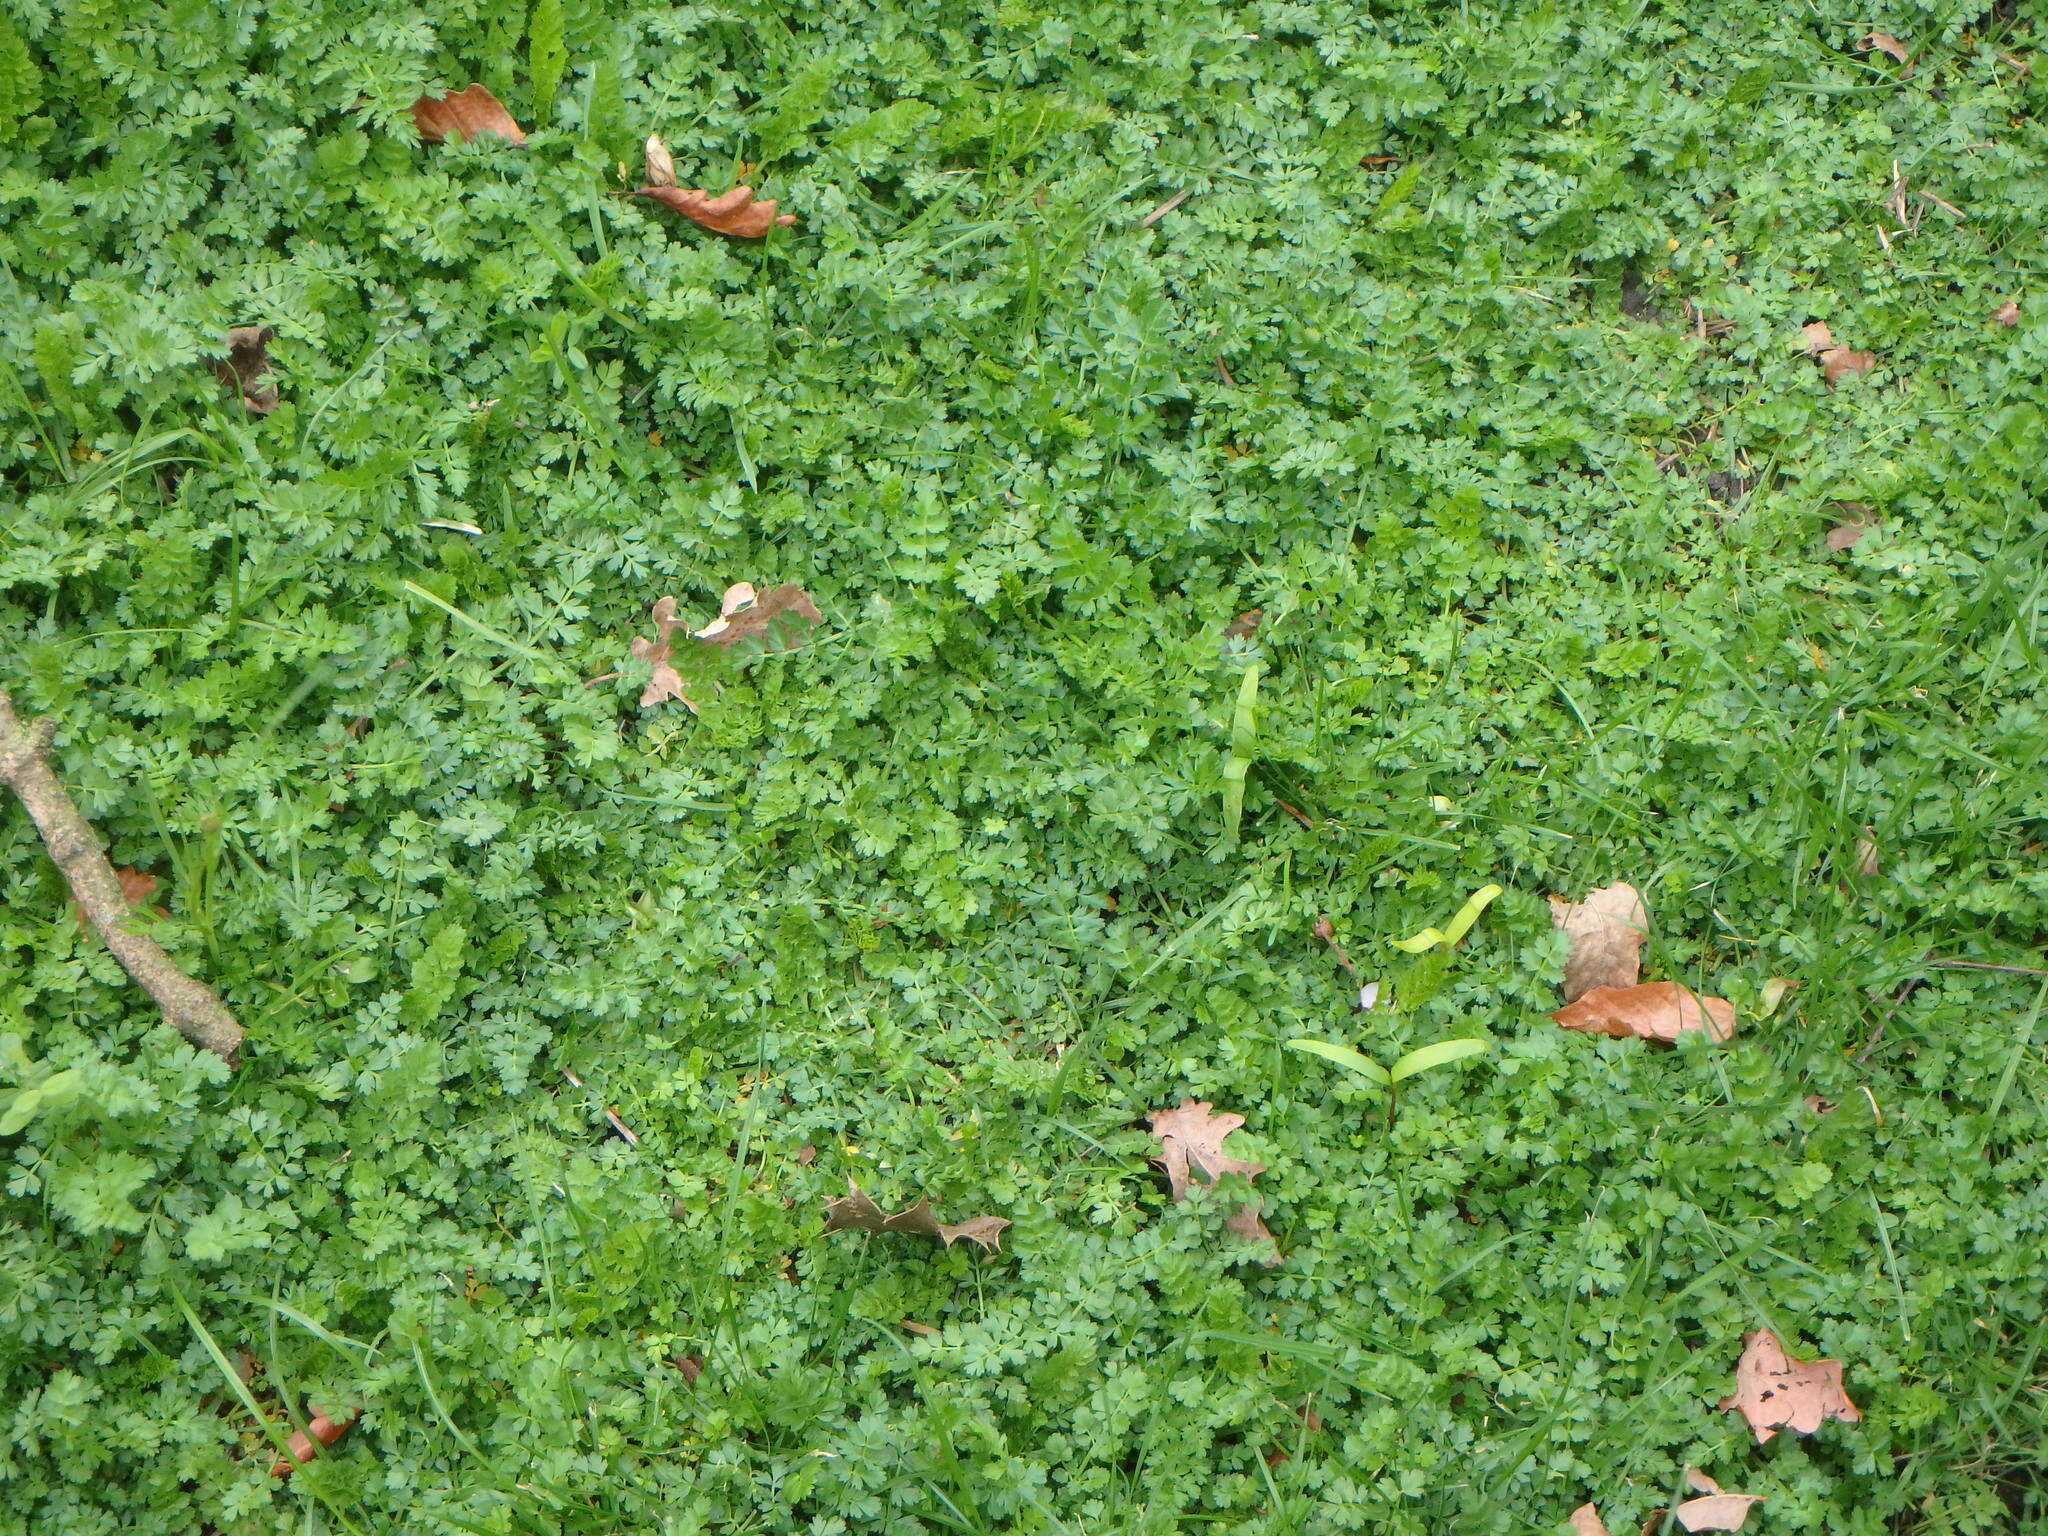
[
  {"x": 733, "y": 213},
  {"x": 2007, "y": 313},
  {"x": 1883, "y": 42},
  {"x": 304, "y": 1445},
  {"x": 247, "y": 368},
  {"x": 1716, "y": 1509},
  {"x": 1655, "y": 1010},
  {"x": 1605, "y": 932},
  {"x": 745, "y": 615},
  {"x": 1836, "y": 361},
  {"x": 137, "y": 886},
  {"x": 666, "y": 682},
  {"x": 466, "y": 113},
  {"x": 854, "y": 1211},
  {"x": 1774, "y": 1390},
  {"x": 1243, "y": 624},
  {"x": 1845, "y": 533},
  {"x": 1191, "y": 1141},
  {"x": 1586, "y": 1521}
]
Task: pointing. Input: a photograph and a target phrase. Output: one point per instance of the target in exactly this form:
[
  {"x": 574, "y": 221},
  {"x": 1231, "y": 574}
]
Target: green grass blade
[
  {"x": 1434, "y": 1056},
  {"x": 1344, "y": 1056}
]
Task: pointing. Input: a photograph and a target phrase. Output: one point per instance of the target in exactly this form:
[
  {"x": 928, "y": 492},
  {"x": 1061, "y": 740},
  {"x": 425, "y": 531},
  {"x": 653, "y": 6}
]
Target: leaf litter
[
  {"x": 1774, "y": 1391},
  {"x": 1191, "y": 1140},
  {"x": 736, "y": 213},
  {"x": 1654, "y": 1010},
  {"x": 855, "y": 1212},
  {"x": 1604, "y": 933},
  {"x": 468, "y": 114},
  {"x": 246, "y": 368}
]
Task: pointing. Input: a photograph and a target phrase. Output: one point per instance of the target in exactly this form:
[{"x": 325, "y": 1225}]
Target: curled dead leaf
[
  {"x": 1883, "y": 42},
  {"x": 1837, "y": 361},
  {"x": 1605, "y": 932},
  {"x": 666, "y": 682},
  {"x": 1772, "y": 1390},
  {"x": 1586, "y": 1521},
  {"x": 1243, "y": 624},
  {"x": 322, "y": 1430},
  {"x": 247, "y": 368},
  {"x": 1191, "y": 1141},
  {"x": 733, "y": 213},
  {"x": 1775, "y": 990},
  {"x": 744, "y": 615},
  {"x": 1716, "y": 1509},
  {"x": 661, "y": 166},
  {"x": 1655, "y": 1010},
  {"x": 854, "y": 1211},
  {"x": 466, "y": 113},
  {"x": 1845, "y": 533},
  {"x": 1868, "y": 860},
  {"x": 1817, "y": 337},
  {"x": 2007, "y": 313}
]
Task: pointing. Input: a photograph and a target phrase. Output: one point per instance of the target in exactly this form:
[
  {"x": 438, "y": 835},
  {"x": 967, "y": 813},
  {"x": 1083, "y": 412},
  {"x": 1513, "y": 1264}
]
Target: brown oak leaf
[
  {"x": 247, "y": 368},
  {"x": 666, "y": 682},
  {"x": 1655, "y": 1010},
  {"x": 745, "y": 615},
  {"x": 1883, "y": 42},
  {"x": 854, "y": 1211},
  {"x": 1605, "y": 932},
  {"x": 1191, "y": 1141},
  {"x": 733, "y": 213},
  {"x": 466, "y": 113},
  {"x": 1773, "y": 1390}
]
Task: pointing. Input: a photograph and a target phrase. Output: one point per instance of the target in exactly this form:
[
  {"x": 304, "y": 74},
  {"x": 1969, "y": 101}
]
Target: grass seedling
[{"x": 1420, "y": 1059}]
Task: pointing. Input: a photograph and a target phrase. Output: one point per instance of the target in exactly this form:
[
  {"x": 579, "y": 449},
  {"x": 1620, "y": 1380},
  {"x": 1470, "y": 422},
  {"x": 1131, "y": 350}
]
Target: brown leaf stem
[{"x": 189, "y": 1006}]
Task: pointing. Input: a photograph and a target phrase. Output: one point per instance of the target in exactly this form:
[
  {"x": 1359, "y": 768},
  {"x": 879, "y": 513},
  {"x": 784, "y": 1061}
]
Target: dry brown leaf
[
  {"x": 1243, "y": 624},
  {"x": 1817, "y": 1104},
  {"x": 854, "y": 1211},
  {"x": 733, "y": 213},
  {"x": 1817, "y": 336},
  {"x": 1191, "y": 1140},
  {"x": 1655, "y": 1010},
  {"x": 137, "y": 886},
  {"x": 1717, "y": 1510},
  {"x": 661, "y": 165},
  {"x": 1605, "y": 932},
  {"x": 742, "y": 615},
  {"x": 1837, "y": 361},
  {"x": 1586, "y": 1521},
  {"x": 666, "y": 682},
  {"x": 466, "y": 113},
  {"x": 1772, "y": 1389},
  {"x": 247, "y": 368},
  {"x": 2007, "y": 313},
  {"x": 1868, "y": 860},
  {"x": 1883, "y": 42},
  {"x": 1845, "y": 534}
]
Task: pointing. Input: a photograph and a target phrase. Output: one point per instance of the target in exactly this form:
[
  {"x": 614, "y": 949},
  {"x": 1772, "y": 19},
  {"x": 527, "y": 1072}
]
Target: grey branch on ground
[{"x": 189, "y": 1006}]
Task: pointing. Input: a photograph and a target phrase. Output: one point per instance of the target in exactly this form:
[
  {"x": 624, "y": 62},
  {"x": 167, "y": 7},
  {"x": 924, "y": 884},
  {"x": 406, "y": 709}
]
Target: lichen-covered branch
[{"x": 189, "y": 1006}]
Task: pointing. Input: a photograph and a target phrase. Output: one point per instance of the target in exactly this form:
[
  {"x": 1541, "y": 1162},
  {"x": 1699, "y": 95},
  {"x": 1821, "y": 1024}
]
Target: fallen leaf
[
  {"x": 137, "y": 886},
  {"x": 1817, "y": 336},
  {"x": 2007, "y": 313},
  {"x": 467, "y": 113},
  {"x": 1837, "y": 361},
  {"x": 666, "y": 682},
  {"x": 306, "y": 1444},
  {"x": 922, "y": 1330},
  {"x": 1775, "y": 991},
  {"x": 1327, "y": 932},
  {"x": 1191, "y": 1140},
  {"x": 1868, "y": 861},
  {"x": 1243, "y": 624},
  {"x": 1772, "y": 1389},
  {"x": 661, "y": 166},
  {"x": 1718, "y": 1510},
  {"x": 744, "y": 616},
  {"x": 806, "y": 1155},
  {"x": 692, "y": 1366},
  {"x": 1845, "y": 533},
  {"x": 1586, "y": 1521},
  {"x": 247, "y": 368},
  {"x": 1883, "y": 42},
  {"x": 1817, "y": 1104},
  {"x": 733, "y": 213},
  {"x": 854, "y": 1211},
  {"x": 1604, "y": 933},
  {"x": 1655, "y": 1010}
]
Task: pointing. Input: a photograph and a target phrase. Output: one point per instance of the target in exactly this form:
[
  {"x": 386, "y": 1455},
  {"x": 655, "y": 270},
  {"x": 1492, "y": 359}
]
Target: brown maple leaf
[
  {"x": 467, "y": 113},
  {"x": 1773, "y": 1390},
  {"x": 1883, "y": 42},
  {"x": 1191, "y": 1141},
  {"x": 733, "y": 213},
  {"x": 666, "y": 682},
  {"x": 1654, "y": 1010},
  {"x": 745, "y": 615},
  {"x": 2007, "y": 313},
  {"x": 1604, "y": 932},
  {"x": 854, "y": 1211},
  {"x": 247, "y": 368}
]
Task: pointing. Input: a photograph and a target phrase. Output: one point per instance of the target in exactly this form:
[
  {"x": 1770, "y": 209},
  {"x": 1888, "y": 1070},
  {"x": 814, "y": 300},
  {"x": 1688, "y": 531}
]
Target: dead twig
[{"x": 190, "y": 1007}]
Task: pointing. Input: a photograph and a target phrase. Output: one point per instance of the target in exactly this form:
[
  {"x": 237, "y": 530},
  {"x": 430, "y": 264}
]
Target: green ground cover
[{"x": 1509, "y": 432}]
